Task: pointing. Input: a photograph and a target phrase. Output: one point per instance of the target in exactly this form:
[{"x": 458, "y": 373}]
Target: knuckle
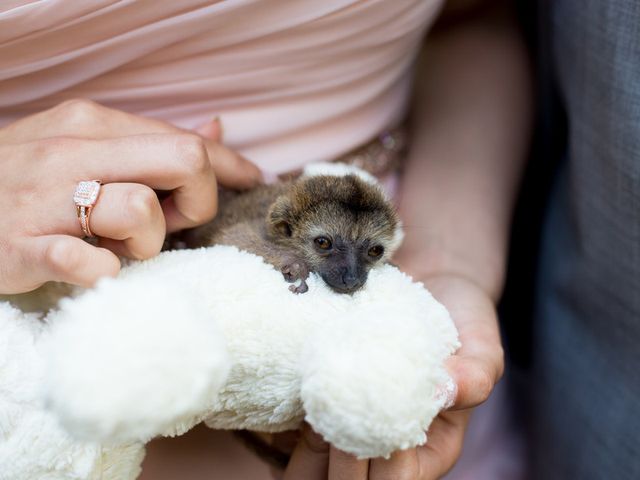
[
  {"x": 193, "y": 154},
  {"x": 149, "y": 252},
  {"x": 447, "y": 449},
  {"x": 7, "y": 253},
  {"x": 142, "y": 205},
  {"x": 455, "y": 450},
  {"x": 451, "y": 452},
  {"x": 392, "y": 470},
  {"x": 61, "y": 256},
  {"x": 206, "y": 213},
  {"x": 78, "y": 110},
  {"x": 53, "y": 148},
  {"x": 407, "y": 473},
  {"x": 8, "y": 248},
  {"x": 482, "y": 382}
]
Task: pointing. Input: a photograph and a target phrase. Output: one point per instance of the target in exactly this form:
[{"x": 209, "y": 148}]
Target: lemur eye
[
  {"x": 323, "y": 243},
  {"x": 376, "y": 251}
]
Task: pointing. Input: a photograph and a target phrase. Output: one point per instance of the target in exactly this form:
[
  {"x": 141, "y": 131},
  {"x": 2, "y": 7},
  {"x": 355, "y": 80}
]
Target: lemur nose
[{"x": 349, "y": 279}]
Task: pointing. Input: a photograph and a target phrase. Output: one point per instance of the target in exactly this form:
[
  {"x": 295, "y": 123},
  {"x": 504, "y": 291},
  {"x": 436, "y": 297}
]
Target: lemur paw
[
  {"x": 302, "y": 288},
  {"x": 294, "y": 271}
]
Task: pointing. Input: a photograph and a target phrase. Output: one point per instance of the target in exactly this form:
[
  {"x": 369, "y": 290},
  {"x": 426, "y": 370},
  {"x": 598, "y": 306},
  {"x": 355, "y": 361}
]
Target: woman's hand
[
  {"x": 457, "y": 192},
  {"x": 44, "y": 156},
  {"x": 475, "y": 368}
]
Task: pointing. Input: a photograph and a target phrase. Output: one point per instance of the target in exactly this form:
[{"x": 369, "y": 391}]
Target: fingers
[
  {"x": 402, "y": 465},
  {"x": 343, "y": 466},
  {"x": 479, "y": 363},
  {"x": 314, "y": 459},
  {"x": 474, "y": 378},
  {"x": 444, "y": 444},
  {"x": 475, "y": 369},
  {"x": 285, "y": 441},
  {"x": 178, "y": 163},
  {"x": 231, "y": 169},
  {"x": 81, "y": 118},
  {"x": 129, "y": 218},
  {"x": 310, "y": 459},
  {"x": 64, "y": 258}
]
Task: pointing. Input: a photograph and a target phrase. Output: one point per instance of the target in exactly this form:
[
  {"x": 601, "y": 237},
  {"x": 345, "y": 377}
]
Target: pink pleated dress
[{"x": 293, "y": 81}]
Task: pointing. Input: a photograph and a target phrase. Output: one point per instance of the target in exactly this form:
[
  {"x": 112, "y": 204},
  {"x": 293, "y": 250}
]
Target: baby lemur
[{"x": 338, "y": 227}]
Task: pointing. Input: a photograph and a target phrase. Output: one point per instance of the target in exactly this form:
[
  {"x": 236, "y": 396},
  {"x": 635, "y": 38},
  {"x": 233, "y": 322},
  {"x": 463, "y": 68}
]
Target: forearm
[{"x": 471, "y": 127}]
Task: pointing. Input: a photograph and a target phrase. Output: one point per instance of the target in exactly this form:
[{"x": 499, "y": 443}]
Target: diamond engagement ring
[{"x": 85, "y": 198}]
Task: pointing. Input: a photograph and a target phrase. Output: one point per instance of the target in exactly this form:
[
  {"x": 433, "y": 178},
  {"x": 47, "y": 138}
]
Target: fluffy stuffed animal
[{"x": 215, "y": 335}]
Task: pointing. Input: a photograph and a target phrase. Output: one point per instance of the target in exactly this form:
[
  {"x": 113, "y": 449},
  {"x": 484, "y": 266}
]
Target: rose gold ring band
[{"x": 84, "y": 213}]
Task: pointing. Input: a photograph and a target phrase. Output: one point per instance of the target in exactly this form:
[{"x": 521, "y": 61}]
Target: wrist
[{"x": 434, "y": 259}]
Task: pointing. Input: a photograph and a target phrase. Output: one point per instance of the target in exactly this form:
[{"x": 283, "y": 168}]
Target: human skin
[
  {"x": 472, "y": 115},
  {"x": 43, "y": 156},
  {"x": 472, "y": 123}
]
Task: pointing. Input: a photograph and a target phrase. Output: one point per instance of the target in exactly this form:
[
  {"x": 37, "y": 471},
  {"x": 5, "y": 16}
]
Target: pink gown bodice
[{"x": 293, "y": 81}]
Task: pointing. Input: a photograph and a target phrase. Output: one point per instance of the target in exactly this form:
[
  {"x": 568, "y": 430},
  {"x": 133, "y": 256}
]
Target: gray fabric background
[{"x": 586, "y": 344}]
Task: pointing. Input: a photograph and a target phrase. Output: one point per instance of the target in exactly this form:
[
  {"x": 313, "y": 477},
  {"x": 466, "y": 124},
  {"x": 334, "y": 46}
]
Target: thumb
[
  {"x": 310, "y": 459},
  {"x": 66, "y": 259}
]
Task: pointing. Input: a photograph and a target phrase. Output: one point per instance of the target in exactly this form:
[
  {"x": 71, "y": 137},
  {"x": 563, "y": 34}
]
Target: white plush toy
[{"x": 215, "y": 335}]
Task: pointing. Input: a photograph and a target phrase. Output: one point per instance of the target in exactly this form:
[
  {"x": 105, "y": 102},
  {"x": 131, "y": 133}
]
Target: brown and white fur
[{"x": 337, "y": 226}]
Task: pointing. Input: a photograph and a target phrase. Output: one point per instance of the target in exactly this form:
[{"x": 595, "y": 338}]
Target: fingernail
[
  {"x": 217, "y": 120},
  {"x": 447, "y": 394}
]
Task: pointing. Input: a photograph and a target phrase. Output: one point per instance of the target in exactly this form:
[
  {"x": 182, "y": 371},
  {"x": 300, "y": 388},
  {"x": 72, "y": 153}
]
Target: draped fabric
[{"x": 293, "y": 81}]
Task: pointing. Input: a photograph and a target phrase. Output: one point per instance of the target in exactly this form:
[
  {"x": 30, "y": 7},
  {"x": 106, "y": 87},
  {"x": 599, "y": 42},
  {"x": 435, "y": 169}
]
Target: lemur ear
[{"x": 279, "y": 217}]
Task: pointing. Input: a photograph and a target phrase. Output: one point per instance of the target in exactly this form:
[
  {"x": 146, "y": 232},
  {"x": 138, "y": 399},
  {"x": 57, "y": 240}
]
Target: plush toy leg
[
  {"x": 132, "y": 359},
  {"x": 32, "y": 443},
  {"x": 371, "y": 390}
]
